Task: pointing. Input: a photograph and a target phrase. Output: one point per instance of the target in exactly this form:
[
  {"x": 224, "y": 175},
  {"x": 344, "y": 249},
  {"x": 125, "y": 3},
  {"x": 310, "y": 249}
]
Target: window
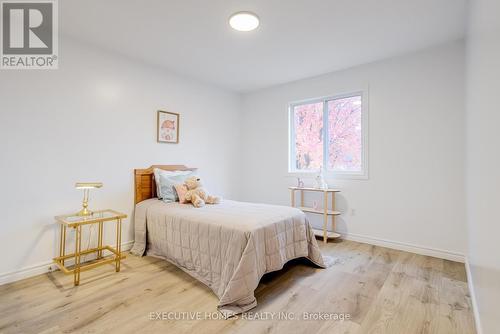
[{"x": 329, "y": 133}]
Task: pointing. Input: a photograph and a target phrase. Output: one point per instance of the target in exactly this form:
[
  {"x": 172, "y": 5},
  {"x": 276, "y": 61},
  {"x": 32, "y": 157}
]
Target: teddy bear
[{"x": 196, "y": 194}]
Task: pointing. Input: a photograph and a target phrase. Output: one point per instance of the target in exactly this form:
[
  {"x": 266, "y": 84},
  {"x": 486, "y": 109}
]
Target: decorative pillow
[
  {"x": 167, "y": 183},
  {"x": 158, "y": 172},
  {"x": 181, "y": 191}
]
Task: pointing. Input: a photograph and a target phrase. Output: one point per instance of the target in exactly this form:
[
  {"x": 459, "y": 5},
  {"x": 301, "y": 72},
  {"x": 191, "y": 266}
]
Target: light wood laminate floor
[{"x": 383, "y": 290}]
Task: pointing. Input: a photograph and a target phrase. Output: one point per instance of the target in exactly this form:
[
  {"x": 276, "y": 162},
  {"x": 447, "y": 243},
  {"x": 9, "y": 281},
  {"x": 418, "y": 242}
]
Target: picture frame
[{"x": 167, "y": 127}]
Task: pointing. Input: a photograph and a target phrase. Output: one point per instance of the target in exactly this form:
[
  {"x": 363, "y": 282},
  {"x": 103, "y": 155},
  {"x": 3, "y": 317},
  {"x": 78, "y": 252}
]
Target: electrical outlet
[{"x": 353, "y": 212}]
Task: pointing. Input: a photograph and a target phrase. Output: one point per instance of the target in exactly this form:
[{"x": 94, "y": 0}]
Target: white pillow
[{"x": 158, "y": 172}]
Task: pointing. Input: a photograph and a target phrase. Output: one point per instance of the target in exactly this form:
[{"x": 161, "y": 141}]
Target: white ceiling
[{"x": 296, "y": 38}]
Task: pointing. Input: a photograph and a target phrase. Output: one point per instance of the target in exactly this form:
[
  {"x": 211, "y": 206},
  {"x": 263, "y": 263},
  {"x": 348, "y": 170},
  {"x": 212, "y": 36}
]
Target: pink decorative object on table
[{"x": 300, "y": 183}]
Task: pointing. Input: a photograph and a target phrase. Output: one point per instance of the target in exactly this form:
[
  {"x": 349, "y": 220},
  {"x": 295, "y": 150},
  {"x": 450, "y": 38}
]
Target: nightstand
[
  {"x": 324, "y": 233},
  {"x": 77, "y": 222}
]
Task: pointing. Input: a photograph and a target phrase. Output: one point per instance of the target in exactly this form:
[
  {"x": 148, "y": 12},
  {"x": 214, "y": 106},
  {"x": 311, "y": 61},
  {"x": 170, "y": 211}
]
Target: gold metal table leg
[
  {"x": 99, "y": 238},
  {"x": 62, "y": 242},
  {"x": 118, "y": 243},
  {"x": 78, "y": 242}
]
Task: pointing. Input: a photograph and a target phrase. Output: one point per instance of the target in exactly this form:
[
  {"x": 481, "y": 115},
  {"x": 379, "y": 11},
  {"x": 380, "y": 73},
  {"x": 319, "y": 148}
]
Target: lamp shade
[{"x": 88, "y": 185}]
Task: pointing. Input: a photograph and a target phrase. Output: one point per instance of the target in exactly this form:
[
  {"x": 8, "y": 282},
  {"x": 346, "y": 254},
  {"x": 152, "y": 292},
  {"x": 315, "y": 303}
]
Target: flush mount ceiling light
[{"x": 244, "y": 21}]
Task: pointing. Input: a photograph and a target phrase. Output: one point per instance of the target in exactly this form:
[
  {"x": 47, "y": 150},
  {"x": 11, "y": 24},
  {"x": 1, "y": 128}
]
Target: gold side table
[{"x": 77, "y": 222}]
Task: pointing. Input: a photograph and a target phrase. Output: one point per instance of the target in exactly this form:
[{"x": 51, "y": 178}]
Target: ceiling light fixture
[{"x": 244, "y": 21}]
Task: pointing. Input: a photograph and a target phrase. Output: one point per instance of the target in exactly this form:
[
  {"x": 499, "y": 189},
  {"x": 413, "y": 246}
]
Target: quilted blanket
[{"x": 228, "y": 247}]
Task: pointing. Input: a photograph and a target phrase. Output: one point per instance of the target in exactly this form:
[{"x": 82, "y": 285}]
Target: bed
[{"x": 228, "y": 246}]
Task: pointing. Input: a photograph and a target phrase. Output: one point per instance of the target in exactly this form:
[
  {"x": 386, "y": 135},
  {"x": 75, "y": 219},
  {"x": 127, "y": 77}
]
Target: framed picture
[{"x": 168, "y": 127}]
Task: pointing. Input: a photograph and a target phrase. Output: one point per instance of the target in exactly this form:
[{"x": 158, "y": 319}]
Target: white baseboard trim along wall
[
  {"x": 48, "y": 266},
  {"x": 41, "y": 268},
  {"x": 428, "y": 251},
  {"x": 472, "y": 293}
]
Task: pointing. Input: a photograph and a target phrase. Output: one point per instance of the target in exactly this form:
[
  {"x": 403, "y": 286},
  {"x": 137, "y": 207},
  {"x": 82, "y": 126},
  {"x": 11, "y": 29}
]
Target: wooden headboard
[{"x": 145, "y": 185}]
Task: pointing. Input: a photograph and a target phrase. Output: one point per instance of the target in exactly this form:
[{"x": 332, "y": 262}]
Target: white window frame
[{"x": 330, "y": 174}]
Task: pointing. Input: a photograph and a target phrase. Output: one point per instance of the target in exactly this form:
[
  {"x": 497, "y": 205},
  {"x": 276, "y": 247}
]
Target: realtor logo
[{"x": 29, "y": 35}]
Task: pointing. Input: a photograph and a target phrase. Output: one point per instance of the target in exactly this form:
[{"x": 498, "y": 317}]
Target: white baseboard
[
  {"x": 472, "y": 293},
  {"x": 40, "y": 268},
  {"x": 48, "y": 266},
  {"x": 422, "y": 250}
]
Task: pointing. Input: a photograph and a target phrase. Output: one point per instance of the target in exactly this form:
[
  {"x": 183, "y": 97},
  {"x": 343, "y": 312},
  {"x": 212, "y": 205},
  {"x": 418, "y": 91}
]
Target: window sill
[{"x": 328, "y": 176}]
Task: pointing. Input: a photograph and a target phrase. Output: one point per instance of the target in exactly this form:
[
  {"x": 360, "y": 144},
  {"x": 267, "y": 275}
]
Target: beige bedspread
[{"x": 228, "y": 246}]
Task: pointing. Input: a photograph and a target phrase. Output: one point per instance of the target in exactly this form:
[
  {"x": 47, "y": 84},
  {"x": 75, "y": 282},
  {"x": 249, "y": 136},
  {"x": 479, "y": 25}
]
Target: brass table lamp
[{"x": 86, "y": 186}]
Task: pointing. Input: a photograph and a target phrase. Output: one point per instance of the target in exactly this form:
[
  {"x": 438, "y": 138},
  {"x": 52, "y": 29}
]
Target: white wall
[
  {"x": 483, "y": 158},
  {"x": 414, "y": 194},
  {"x": 94, "y": 119}
]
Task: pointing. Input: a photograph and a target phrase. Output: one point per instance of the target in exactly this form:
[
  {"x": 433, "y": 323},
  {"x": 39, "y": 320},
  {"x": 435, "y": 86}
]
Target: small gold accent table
[
  {"x": 77, "y": 222},
  {"x": 324, "y": 233}
]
